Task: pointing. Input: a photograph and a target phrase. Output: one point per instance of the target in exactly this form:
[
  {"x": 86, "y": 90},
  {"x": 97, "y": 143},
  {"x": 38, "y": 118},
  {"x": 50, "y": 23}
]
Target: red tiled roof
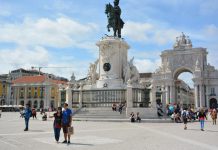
[
  {"x": 29, "y": 79},
  {"x": 36, "y": 79},
  {"x": 58, "y": 82}
]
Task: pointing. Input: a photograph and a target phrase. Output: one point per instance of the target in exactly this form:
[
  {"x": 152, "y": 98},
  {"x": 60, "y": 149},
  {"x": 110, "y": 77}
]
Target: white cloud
[
  {"x": 147, "y": 65},
  {"x": 62, "y": 32},
  {"x": 38, "y": 56},
  {"x": 80, "y": 69},
  {"x": 211, "y": 31},
  {"x": 137, "y": 31},
  {"x": 149, "y": 33},
  {"x": 23, "y": 57},
  {"x": 32, "y": 36}
]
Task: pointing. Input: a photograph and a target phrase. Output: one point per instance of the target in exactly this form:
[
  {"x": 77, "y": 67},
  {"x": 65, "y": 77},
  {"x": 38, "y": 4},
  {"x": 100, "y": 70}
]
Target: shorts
[
  {"x": 185, "y": 120},
  {"x": 65, "y": 128}
]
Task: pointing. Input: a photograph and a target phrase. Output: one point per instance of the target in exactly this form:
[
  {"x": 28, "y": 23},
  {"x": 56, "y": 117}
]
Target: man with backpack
[{"x": 185, "y": 118}]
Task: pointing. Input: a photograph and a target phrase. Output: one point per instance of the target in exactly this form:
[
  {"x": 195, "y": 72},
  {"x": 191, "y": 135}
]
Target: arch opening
[{"x": 184, "y": 88}]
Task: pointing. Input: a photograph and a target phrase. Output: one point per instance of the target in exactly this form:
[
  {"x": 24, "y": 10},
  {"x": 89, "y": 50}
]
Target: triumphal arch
[{"x": 184, "y": 58}]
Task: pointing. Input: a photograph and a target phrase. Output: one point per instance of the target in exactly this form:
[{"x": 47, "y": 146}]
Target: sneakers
[
  {"x": 202, "y": 129},
  {"x": 26, "y": 129},
  {"x": 185, "y": 128},
  {"x": 68, "y": 142},
  {"x": 65, "y": 141}
]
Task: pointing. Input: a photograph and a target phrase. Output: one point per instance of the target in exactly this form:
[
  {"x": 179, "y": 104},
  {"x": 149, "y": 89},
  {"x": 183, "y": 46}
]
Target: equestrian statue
[{"x": 114, "y": 20}]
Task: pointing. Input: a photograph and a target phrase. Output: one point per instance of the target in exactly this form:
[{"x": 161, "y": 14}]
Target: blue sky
[{"x": 64, "y": 32}]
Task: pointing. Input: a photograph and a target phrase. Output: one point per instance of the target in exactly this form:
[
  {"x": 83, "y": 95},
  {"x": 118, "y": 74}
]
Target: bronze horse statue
[{"x": 114, "y": 20}]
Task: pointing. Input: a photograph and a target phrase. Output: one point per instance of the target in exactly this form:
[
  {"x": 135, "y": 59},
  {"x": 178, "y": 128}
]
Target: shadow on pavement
[
  {"x": 81, "y": 144},
  {"x": 36, "y": 131},
  {"x": 204, "y": 130}
]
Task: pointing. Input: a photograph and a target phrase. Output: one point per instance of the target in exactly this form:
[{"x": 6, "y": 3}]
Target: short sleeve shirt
[{"x": 66, "y": 116}]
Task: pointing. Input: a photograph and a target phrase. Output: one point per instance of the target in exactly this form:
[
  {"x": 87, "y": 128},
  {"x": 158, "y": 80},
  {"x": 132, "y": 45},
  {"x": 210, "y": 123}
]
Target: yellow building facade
[
  {"x": 4, "y": 92},
  {"x": 38, "y": 91}
]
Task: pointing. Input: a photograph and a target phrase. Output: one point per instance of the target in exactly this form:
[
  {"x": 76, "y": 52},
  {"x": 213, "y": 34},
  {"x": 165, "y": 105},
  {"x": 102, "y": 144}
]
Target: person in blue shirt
[
  {"x": 27, "y": 115},
  {"x": 66, "y": 122}
]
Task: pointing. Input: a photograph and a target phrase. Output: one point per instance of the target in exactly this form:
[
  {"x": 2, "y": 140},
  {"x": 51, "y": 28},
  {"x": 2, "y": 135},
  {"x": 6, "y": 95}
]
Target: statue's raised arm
[{"x": 114, "y": 20}]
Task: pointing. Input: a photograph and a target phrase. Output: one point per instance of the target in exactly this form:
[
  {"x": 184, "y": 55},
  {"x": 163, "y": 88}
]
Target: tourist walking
[
  {"x": 202, "y": 116},
  {"x": 57, "y": 123},
  {"x": 27, "y": 115},
  {"x": 66, "y": 122},
  {"x": 214, "y": 116},
  {"x": 185, "y": 116}
]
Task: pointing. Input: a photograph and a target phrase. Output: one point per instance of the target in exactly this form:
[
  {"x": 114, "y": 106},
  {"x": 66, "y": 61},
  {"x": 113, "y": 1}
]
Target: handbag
[{"x": 71, "y": 130}]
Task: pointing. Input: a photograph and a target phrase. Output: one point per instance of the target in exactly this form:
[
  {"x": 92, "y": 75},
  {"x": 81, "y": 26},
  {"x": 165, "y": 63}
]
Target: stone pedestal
[{"x": 112, "y": 62}]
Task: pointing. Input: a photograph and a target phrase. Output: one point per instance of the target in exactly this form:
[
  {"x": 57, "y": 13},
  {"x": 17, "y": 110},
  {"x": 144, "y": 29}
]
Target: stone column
[
  {"x": 163, "y": 95},
  {"x": 129, "y": 101},
  {"x": 196, "y": 96},
  {"x": 172, "y": 94},
  {"x": 153, "y": 97},
  {"x": 69, "y": 97},
  {"x": 59, "y": 97},
  {"x": 47, "y": 96},
  {"x": 25, "y": 95},
  {"x": 167, "y": 94},
  {"x": 202, "y": 102},
  {"x": 80, "y": 95},
  {"x": 8, "y": 96},
  {"x": 207, "y": 96}
]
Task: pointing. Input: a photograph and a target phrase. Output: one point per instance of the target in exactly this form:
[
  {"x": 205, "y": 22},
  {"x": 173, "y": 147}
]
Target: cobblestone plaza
[{"x": 106, "y": 135}]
